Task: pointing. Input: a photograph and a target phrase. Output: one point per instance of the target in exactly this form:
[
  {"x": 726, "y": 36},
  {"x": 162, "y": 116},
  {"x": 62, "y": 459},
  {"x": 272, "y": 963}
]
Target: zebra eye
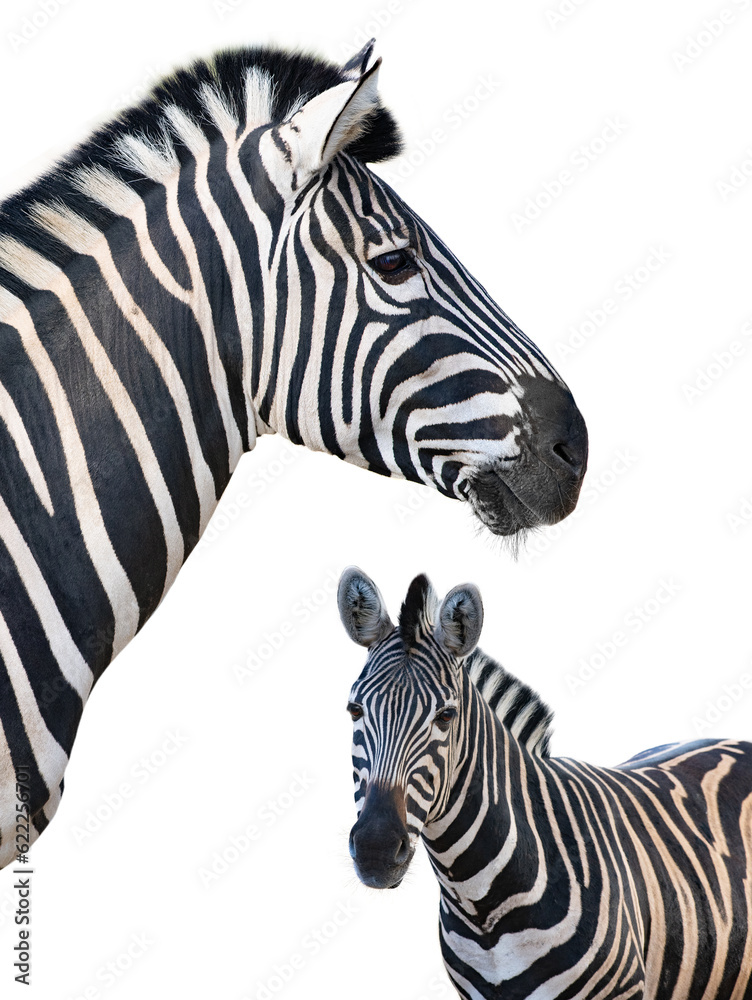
[
  {"x": 444, "y": 719},
  {"x": 356, "y": 712},
  {"x": 394, "y": 263}
]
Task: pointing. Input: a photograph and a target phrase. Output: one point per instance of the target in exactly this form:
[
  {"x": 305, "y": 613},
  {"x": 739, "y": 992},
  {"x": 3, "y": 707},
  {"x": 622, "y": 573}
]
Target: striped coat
[
  {"x": 559, "y": 879},
  {"x": 215, "y": 264}
]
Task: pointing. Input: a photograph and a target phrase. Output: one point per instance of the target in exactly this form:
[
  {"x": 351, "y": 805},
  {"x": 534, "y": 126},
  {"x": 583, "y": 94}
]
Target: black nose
[
  {"x": 566, "y": 450},
  {"x": 559, "y": 435},
  {"x": 403, "y": 850},
  {"x": 379, "y": 841}
]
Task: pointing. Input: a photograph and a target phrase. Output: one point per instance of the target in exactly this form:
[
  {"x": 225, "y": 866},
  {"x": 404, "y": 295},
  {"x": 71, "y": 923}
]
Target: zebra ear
[
  {"x": 356, "y": 66},
  {"x": 331, "y": 121},
  {"x": 460, "y": 620},
  {"x": 361, "y": 608}
]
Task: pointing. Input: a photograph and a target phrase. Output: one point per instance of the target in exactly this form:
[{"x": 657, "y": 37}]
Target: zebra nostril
[
  {"x": 570, "y": 455},
  {"x": 558, "y": 433},
  {"x": 403, "y": 850},
  {"x": 564, "y": 453}
]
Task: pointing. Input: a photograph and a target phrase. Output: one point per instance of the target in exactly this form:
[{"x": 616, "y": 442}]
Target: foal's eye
[
  {"x": 444, "y": 718},
  {"x": 356, "y": 712},
  {"x": 394, "y": 263}
]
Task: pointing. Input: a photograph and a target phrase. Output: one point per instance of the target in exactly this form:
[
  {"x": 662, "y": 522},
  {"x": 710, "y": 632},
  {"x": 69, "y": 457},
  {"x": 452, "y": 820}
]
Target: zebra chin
[
  {"x": 381, "y": 854},
  {"x": 379, "y": 876},
  {"x": 511, "y": 501}
]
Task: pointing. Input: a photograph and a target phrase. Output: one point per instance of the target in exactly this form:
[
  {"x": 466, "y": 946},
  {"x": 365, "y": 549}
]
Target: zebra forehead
[
  {"x": 398, "y": 668},
  {"x": 422, "y": 671},
  {"x": 405, "y": 693}
]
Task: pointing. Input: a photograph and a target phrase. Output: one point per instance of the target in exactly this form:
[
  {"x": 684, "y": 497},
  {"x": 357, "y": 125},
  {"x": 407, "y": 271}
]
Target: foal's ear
[
  {"x": 361, "y": 608},
  {"x": 460, "y": 620},
  {"x": 331, "y": 121}
]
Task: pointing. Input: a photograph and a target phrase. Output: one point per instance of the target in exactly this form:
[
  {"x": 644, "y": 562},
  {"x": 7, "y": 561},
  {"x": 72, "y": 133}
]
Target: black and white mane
[
  {"x": 515, "y": 704},
  {"x": 232, "y": 75}
]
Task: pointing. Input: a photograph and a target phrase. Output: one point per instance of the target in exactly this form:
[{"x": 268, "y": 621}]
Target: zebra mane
[
  {"x": 245, "y": 87},
  {"x": 417, "y": 610},
  {"x": 521, "y": 710}
]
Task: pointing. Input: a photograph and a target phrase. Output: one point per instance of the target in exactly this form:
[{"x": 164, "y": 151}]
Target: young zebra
[
  {"x": 558, "y": 878},
  {"x": 215, "y": 264}
]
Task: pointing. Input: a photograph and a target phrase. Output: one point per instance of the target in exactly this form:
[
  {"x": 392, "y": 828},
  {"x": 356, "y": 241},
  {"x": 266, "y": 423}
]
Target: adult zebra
[
  {"x": 215, "y": 264},
  {"x": 558, "y": 878}
]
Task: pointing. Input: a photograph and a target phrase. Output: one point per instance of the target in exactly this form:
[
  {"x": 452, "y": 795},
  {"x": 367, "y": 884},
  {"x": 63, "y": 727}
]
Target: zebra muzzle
[
  {"x": 542, "y": 486},
  {"x": 379, "y": 842}
]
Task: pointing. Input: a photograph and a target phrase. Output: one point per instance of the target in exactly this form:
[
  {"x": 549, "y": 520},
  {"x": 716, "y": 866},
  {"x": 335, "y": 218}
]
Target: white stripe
[
  {"x": 84, "y": 238},
  {"x": 12, "y": 419},
  {"x": 205, "y": 319},
  {"x": 48, "y": 276},
  {"x": 112, "y": 575},
  {"x": 50, "y": 757},
  {"x": 156, "y": 159},
  {"x": 72, "y": 665},
  {"x": 199, "y": 146},
  {"x": 259, "y": 97},
  {"x": 7, "y": 801}
]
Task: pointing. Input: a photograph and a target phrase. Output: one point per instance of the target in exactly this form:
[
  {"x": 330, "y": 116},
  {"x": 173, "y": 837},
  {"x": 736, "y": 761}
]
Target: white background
[{"x": 666, "y": 473}]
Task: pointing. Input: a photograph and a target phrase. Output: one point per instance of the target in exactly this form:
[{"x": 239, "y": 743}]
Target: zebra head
[
  {"x": 414, "y": 370},
  {"x": 406, "y": 711}
]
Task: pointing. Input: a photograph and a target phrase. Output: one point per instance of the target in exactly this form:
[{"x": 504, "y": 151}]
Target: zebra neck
[
  {"x": 163, "y": 286},
  {"x": 141, "y": 408},
  {"x": 495, "y": 840}
]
